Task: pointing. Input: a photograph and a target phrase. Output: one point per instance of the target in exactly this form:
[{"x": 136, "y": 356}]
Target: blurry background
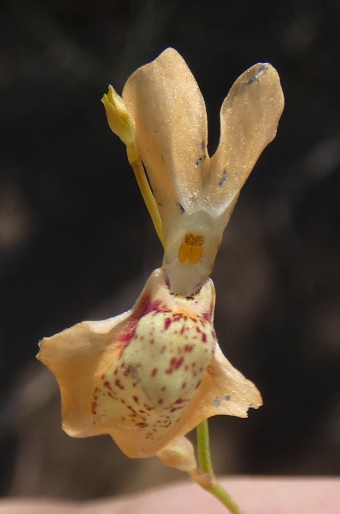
[{"x": 76, "y": 241}]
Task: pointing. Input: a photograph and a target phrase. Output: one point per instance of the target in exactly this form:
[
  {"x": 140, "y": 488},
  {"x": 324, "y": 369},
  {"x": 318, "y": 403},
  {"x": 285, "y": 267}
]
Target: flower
[{"x": 149, "y": 376}]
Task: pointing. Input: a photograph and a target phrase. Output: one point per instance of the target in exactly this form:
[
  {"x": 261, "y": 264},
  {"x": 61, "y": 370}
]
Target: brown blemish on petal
[{"x": 118, "y": 384}]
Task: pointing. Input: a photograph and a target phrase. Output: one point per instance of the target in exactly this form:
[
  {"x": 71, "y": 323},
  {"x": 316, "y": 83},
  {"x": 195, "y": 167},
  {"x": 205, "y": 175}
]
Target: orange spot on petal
[{"x": 191, "y": 249}]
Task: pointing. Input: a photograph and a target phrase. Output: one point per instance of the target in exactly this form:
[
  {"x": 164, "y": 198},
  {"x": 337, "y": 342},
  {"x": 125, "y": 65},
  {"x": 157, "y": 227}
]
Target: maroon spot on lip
[
  {"x": 118, "y": 384},
  {"x": 142, "y": 424},
  {"x": 136, "y": 399},
  {"x": 179, "y": 401},
  {"x": 173, "y": 409},
  {"x": 188, "y": 347},
  {"x": 174, "y": 364},
  {"x": 167, "y": 323},
  {"x": 94, "y": 407},
  {"x": 207, "y": 315}
]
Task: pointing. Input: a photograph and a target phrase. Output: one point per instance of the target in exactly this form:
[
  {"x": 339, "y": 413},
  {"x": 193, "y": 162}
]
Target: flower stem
[
  {"x": 206, "y": 478},
  {"x": 145, "y": 189}
]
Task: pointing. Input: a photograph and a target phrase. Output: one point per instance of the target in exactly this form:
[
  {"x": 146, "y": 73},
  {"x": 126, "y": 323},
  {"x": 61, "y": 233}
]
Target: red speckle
[
  {"x": 179, "y": 401},
  {"x": 136, "y": 399},
  {"x": 163, "y": 388},
  {"x": 174, "y": 364},
  {"x": 118, "y": 384},
  {"x": 128, "y": 332},
  {"x": 173, "y": 409},
  {"x": 134, "y": 384},
  {"x": 204, "y": 337},
  {"x": 167, "y": 323},
  {"x": 102, "y": 376},
  {"x": 184, "y": 385},
  {"x": 154, "y": 372},
  {"x": 142, "y": 424},
  {"x": 198, "y": 384},
  {"x": 207, "y": 315},
  {"x": 163, "y": 349},
  {"x": 107, "y": 384},
  {"x": 160, "y": 401},
  {"x": 188, "y": 347},
  {"x": 144, "y": 307},
  {"x": 94, "y": 407}
]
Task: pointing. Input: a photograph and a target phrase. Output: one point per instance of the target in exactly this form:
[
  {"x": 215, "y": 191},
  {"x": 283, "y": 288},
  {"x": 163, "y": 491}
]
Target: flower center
[
  {"x": 157, "y": 373},
  {"x": 191, "y": 249}
]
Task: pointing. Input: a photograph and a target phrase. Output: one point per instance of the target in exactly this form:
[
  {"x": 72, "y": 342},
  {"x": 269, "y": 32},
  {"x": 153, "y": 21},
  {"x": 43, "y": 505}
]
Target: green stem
[
  {"x": 204, "y": 458},
  {"x": 203, "y": 447}
]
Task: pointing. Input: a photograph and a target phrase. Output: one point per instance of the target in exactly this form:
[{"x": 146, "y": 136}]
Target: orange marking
[{"x": 191, "y": 249}]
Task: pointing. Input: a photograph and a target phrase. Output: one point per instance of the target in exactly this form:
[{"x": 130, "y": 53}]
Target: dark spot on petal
[
  {"x": 255, "y": 78},
  {"x": 223, "y": 178}
]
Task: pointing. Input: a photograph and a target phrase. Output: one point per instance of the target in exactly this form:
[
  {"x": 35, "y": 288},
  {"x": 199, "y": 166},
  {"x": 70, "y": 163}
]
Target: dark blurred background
[{"x": 76, "y": 241}]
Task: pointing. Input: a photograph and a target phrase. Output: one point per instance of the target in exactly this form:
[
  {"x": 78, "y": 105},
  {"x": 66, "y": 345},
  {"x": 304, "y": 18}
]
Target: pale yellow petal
[
  {"x": 170, "y": 124},
  {"x": 226, "y": 391},
  {"x": 249, "y": 118},
  {"x": 75, "y": 357}
]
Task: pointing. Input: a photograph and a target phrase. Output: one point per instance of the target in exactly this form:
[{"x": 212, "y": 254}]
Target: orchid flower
[{"x": 149, "y": 376}]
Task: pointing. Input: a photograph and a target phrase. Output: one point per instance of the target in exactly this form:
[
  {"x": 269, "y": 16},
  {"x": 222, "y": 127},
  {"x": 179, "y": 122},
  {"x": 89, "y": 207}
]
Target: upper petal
[
  {"x": 249, "y": 118},
  {"x": 170, "y": 123}
]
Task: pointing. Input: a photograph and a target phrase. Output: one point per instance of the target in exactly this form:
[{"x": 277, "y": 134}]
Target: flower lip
[{"x": 148, "y": 383}]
